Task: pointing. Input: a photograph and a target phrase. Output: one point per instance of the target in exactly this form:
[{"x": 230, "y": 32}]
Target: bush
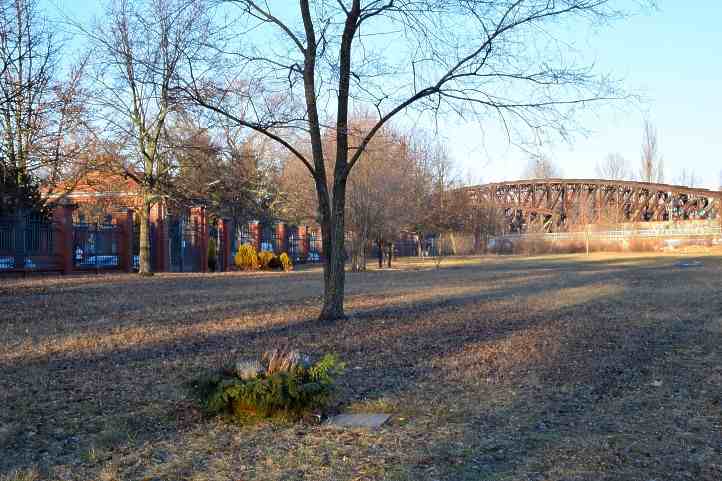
[
  {"x": 285, "y": 261},
  {"x": 246, "y": 258},
  {"x": 265, "y": 258},
  {"x": 282, "y": 383},
  {"x": 275, "y": 263},
  {"x": 212, "y": 255}
]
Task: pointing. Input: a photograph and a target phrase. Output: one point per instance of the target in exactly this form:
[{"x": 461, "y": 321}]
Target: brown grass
[{"x": 550, "y": 368}]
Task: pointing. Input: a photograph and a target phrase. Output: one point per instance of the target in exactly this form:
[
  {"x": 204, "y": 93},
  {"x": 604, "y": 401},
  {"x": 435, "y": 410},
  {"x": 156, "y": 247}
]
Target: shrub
[
  {"x": 285, "y": 261},
  {"x": 275, "y": 263},
  {"x": 282, "y": 383},
  {"x": 246, "y": 258},
  {"x": 212, "y": 255},
  {"x": 265, "y": 258}
]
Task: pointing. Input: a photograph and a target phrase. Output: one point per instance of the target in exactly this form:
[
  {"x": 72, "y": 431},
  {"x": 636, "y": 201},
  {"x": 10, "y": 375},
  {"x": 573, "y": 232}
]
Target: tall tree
[
  {"x": 614, "y": 167},
  {"x": 236, "y": 177},
  {"x": 379, "y": 202},
  {"x": 540, "y": 166},
  {"x": 42, "y": 115},
  {"x": 687, "y": 177},
  {"x": 652, "y": 168},
  {"x": 329, "y": 56},
  {"x": 140, "y": 48}
]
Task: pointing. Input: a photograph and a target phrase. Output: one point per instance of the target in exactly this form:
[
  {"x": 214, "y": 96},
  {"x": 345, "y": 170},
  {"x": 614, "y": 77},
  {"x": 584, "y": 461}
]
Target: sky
[{"x": 670, "y": 57}]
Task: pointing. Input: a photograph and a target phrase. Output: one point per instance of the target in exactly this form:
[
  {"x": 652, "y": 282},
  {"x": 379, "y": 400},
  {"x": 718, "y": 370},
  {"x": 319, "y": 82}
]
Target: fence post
[
  {"x": 204, "y": 239},
  {"x": 281, "y": 236},
  {"x": 224, "y": 250},
  {"x": 305, "y": 243},
  {"x": 124, "y": 220},
  {"x": 63, "y": 218},
  {"x": 159, "y": 239},
  {"x": 198, "y": 217},
  {"x": 254, "y": 229}
]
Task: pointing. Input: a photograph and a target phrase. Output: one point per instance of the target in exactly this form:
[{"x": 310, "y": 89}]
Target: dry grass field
[{"x": 549, "y": 368}]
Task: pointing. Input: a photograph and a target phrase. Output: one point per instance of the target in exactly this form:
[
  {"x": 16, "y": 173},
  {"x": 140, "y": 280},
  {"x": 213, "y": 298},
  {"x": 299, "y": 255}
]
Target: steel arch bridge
[{"x": 559, "y": 205}]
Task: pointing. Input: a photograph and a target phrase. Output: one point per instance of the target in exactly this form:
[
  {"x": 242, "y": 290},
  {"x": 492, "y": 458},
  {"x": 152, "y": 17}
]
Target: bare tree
[
  {"x": 451, "y": 56},
  {"x": 42, "y": 114},
  {"x": 652, "y": 169},
  {"x": 614, "y": 167},
  {"x": 687, "y": 177},
  {"x": 379, "y": 203},
  {"x": 540, "y": 166},
  {"x": 140, "y": 47}
]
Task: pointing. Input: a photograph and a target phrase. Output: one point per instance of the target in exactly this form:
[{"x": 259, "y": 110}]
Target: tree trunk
[
  {"x": 334, "y": 275},
  {"x": 364, "y": 244},
  {"x": 144, "y": 264},
  {"x": 358, "y": 253},
  {"x": 390, "y": 253},
  {"x": 381, "y": 253},
  {"x": 354, "y": 256}
]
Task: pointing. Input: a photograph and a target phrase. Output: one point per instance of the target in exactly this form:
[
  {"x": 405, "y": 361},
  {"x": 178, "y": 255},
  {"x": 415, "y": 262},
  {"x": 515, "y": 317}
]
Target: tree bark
[
  {"x": 358, "y": 254},
  {"x": 144, "y": 265},
  {"x": 380, "y": 253},
  {"x": 333, "y": 223},
  {"x": 333, "y": 264}
]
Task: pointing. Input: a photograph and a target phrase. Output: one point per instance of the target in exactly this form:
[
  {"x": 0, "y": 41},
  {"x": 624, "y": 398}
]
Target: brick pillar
[
  {"x": 224, "y": 250},
  {"x": 281, "y": 236},
  {"x": 63, "y": 241},
  {"x": 254, "y": 228},
  {"x": 198, "y": 217},
  {"x": 204, "y": 240},
  {"x": 303, "y": 242},
  {"x": 160, "y": 261},
  {"x": 124, "y": 220}
]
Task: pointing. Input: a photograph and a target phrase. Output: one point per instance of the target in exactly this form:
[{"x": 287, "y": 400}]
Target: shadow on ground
[{"x": 508, "y": 370}]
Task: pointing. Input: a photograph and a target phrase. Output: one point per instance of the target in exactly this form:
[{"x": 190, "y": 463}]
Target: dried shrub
[
  {"x": 275, "y": 263},
  {"x": 286, "y": 263},
  {"x": 246, "y": 258},
  {"x": 281, "y": 383},
  {"x": 265, "y": 258}
]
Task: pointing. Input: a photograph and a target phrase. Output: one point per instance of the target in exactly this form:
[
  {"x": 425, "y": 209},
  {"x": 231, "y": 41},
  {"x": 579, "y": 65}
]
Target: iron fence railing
[
  {"x": 185, "y": 246},
  {"x": 96, "y": 245},
  {"x": 26, "y": 242}
]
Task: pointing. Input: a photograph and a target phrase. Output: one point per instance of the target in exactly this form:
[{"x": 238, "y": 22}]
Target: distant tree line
[{"x": 222, "y": 101}]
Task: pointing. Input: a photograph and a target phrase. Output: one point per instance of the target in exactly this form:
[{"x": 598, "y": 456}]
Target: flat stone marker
[
  {"x": 689, "y": 264},
  {"x": 364, "y": 420}
]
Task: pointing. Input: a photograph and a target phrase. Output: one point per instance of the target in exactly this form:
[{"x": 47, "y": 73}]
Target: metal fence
[
  {"x": 26, "y": 242},
  {"x": 304, "y": 248},
  {"x": 296, "y": 248},
  {"x": 96, "y": 246},
  {"x": 270, "y": 240},
  {"x": 185, "y": 245}
]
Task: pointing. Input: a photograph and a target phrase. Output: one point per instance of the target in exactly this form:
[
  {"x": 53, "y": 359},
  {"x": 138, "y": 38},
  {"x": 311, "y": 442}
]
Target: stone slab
[
  {"x": 362, "y": 420},
  {"x": 689, "y": 264}
]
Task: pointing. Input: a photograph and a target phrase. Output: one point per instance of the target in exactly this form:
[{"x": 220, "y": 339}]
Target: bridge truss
[{"x": 562, "y": 205}]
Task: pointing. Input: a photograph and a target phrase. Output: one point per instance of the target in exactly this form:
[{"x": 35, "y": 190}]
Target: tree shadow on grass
[{"x": 394, "y": 351}]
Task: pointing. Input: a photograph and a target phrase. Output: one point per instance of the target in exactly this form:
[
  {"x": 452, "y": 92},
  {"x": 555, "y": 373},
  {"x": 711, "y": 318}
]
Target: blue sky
[{"x": 670, "y": 57}]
